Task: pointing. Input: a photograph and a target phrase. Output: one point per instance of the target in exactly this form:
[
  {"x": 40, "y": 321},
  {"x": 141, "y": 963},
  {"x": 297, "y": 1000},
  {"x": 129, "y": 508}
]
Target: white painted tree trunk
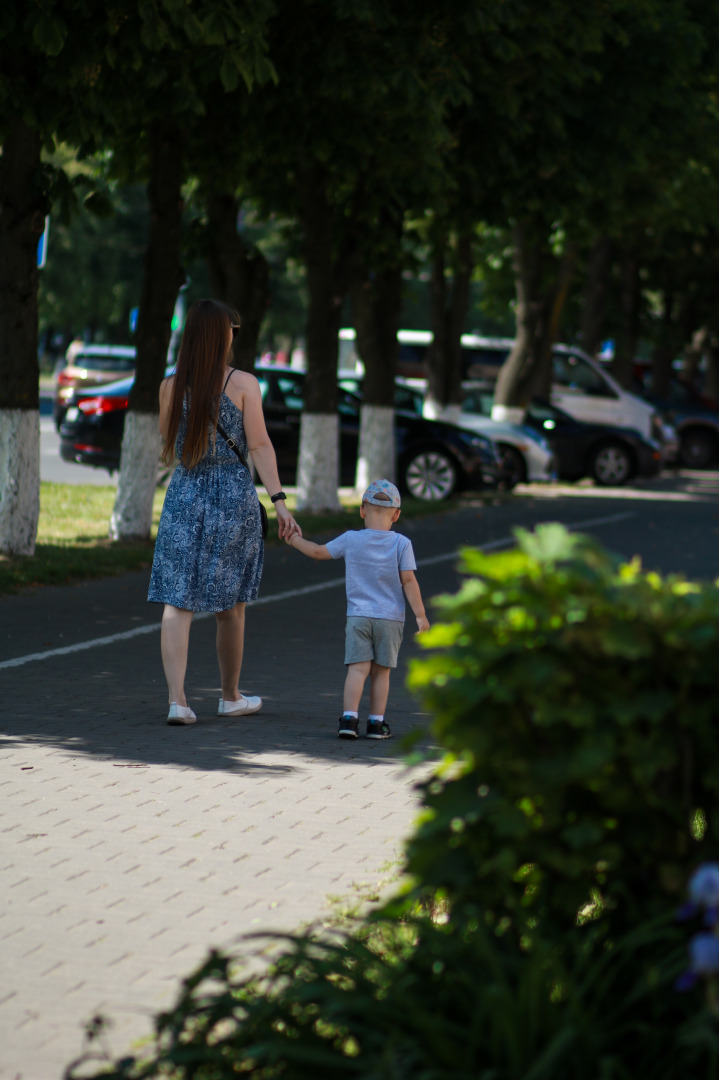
[
  {"x": 512, "y": 414},
  {"x": 318, "y": 465},
  {"x": 434, "y": 411},
  {"x": 132, "y": 514},
  {"x": 19, "y": 480},
  {"x": 376, "y": 454}
]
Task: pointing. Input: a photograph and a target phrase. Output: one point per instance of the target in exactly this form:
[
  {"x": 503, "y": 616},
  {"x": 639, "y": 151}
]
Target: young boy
[{"x": 380, "y": 566}]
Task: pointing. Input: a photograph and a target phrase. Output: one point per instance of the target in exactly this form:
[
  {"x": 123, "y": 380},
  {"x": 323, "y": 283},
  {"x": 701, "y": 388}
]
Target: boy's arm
[
  {"x": 411, "y": 591},
  {"x": 308, "y": 547}
]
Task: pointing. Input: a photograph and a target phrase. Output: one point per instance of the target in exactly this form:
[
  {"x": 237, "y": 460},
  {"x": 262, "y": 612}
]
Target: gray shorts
[{"x": 372, "y": 639}]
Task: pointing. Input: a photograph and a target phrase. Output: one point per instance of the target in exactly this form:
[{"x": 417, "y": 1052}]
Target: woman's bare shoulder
[
  {"x": 240, "y": 384},
  {"x": 166, "y": 385},
  {"x": 238, "y": 377}
]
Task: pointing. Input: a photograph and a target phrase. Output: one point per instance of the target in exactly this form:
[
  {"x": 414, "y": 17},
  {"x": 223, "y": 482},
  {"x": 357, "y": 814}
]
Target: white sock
[
  {"x": 378, "y": 718},
  {"x": 347, "y": 712}
]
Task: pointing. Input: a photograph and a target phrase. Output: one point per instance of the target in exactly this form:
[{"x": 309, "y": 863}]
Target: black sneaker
[
  {"x": 348, "y": 728},
  {"x": 378, "y": 729}
]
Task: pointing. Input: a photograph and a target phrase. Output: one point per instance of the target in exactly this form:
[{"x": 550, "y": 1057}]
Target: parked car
[
  {"x": 90, "y": 366},
  {"x": 580, "y": 385},
  {"x": 609, "y": 455},
  {"x": 434, "y": 459},
  {"x": 696, "y": 418},
  {"x": 525, "y": 454}
]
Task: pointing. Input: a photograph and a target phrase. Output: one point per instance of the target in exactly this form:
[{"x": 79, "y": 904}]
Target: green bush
[
  {"x": 575, "y": 701},
  {"x": 459, "y": 1004},
  {"x": 578, "y": 701}
]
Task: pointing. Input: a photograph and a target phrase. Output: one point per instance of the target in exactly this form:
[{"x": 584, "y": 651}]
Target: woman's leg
[
  {"x": 378, "y": 689},
  {"x": 174, "y": 643},
  {"x": 354, "y": 685},
  {"x": 230, "y": 647}
]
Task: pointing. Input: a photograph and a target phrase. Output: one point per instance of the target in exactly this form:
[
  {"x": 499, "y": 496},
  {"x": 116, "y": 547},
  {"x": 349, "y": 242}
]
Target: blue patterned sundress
[{"x": 209, "y": 551}]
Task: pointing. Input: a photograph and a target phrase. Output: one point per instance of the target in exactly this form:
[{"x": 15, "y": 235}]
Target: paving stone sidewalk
[{"x": 128, "y": 847}]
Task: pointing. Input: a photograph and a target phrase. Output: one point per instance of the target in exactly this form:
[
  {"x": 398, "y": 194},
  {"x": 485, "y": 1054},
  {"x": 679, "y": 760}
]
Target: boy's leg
[
  {"x": 377, "y": 726},
  {"x": 354, "y": 685},
  {"x": 387, "y": 638},
  {"x": 379, "y": 689}
]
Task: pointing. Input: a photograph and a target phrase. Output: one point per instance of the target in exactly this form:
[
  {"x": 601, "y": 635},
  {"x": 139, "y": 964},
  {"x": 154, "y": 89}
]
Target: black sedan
[
  {"x": 610, "y": 455},
  {"x": 434, "y": 459}
]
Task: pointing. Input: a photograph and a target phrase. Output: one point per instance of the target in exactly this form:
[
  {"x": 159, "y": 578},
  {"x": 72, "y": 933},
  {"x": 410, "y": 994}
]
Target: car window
[
  {"x": 264, "y": 386},
  {"x": 573, "y": 373},
  {"x": 407, "y": 400},
  {"x": 678, "y": 393},
  {"x": 478, "y": 402},
  {"x": 541, "y": 411},
  {"x": 483, "y": 363},
  {"x": 290, "y": 391}
]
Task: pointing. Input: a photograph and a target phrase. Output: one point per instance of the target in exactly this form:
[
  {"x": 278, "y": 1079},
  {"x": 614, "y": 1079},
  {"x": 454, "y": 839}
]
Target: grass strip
[{"x": 73, "y": 545}]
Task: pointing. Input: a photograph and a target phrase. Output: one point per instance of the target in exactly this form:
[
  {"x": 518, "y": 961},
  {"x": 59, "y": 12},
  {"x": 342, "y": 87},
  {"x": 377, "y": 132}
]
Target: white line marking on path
[{"x": 290, "y": 594}]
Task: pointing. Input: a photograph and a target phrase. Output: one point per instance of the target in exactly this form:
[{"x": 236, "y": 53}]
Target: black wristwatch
[{"x": 278, "y": 496}]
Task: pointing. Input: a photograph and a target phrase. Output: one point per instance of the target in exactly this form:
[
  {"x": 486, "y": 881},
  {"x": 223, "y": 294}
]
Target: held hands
[{"x": 287, "y": 527}]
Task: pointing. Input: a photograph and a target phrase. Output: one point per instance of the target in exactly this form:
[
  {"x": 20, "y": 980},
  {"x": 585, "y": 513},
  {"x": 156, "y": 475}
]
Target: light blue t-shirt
[{"x": 373, "y": 560}]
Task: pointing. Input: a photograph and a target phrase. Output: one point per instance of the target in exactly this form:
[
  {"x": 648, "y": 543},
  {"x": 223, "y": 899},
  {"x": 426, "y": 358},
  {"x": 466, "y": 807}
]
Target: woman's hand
[{"x": 286, "y": 524}]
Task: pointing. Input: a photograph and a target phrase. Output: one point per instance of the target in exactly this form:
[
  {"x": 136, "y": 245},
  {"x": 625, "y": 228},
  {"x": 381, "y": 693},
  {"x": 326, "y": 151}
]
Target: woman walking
[{"x": 209, "y": 551}]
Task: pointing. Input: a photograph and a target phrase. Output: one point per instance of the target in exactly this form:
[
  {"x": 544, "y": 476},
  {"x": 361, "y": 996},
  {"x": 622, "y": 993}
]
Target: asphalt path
[{"x": 128, "y": 847}]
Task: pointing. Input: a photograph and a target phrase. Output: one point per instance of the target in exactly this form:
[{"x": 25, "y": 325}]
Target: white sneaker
[
  {"x": 181, "y": 714},
  {"x": 244, "y": 707}
]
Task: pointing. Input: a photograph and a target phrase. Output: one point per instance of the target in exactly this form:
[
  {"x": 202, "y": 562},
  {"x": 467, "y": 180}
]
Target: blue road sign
[{"x": 42, "y": 245}]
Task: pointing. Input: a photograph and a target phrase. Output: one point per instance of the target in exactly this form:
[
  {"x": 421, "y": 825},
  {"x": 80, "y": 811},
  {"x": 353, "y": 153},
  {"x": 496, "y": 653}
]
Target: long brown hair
[{"x": 198, "y": 376}]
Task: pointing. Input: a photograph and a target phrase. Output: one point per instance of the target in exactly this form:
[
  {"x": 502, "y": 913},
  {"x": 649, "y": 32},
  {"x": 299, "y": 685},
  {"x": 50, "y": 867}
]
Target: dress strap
[{"x": 227, "y": 380}]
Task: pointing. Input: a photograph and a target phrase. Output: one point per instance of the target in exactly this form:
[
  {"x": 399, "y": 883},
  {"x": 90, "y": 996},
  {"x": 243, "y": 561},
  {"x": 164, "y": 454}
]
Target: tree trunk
[
  {"x": 665, "y": 349},
  {"x": 239, "y": 277},
  {"x": 376, "y": 304},
  {"x": 711, "y": 383},
  {"x": 595, "y": 296},
  {"x": 318, "y": 465},
  {"x": 448, "y": 315},
  {"x": 694, "y": 353},
  {"x": 628, "y": 336},
  {"x": 528, "y": 368},
  {"x": 23, "y": 207},
  {"x": 163, "y": 276}
]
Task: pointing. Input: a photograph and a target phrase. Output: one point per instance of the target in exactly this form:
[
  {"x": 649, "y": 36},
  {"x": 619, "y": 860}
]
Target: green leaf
[
  {"x": 229, "y": 72},
  {"x": 49, "y": 34}
]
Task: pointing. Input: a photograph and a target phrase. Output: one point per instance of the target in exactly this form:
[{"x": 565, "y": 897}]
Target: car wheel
[
  {"x": 514, "y": 469},
  {"x": 698, "y": 448},
  {"x": 611, "y": 465},
  {"x": 430, "y": 475}
]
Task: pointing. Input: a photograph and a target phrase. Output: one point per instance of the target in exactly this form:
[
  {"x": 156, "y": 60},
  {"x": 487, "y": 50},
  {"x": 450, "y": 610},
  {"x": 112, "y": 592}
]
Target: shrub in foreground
[
  {"x": 577, "y": 699},
  {"x": 459, "y": 1004}
]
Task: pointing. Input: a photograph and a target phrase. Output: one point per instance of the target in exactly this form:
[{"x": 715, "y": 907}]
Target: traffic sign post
[{"x": 42, "y": 245}]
